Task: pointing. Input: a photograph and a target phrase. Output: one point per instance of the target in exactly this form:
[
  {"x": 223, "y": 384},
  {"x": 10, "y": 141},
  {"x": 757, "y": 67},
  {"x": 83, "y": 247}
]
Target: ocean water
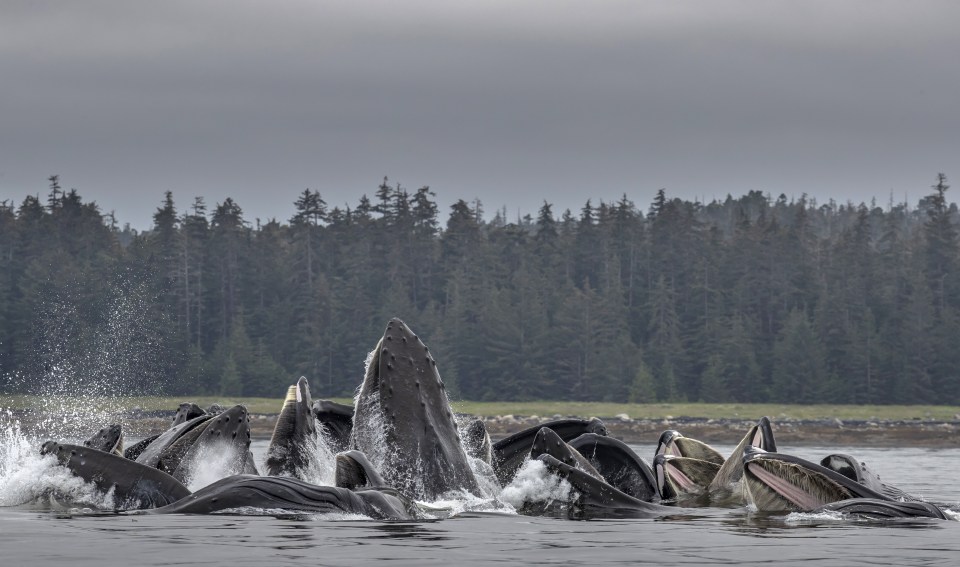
[{"x": 36, "y": 533}]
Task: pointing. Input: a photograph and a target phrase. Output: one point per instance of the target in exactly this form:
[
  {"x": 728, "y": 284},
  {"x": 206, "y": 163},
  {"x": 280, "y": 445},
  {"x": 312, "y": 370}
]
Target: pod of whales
[
  {"x": 690, "y": 471},
  {"x": 402, "y": 443}
]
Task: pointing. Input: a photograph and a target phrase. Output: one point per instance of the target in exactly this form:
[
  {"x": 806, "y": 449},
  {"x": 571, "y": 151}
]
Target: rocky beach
[{"x": 864, "y": 433}]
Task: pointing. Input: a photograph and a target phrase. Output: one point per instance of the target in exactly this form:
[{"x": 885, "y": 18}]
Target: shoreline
[
  {"x": 931, "y": 433},
  {"x": 788, "y": 432}
]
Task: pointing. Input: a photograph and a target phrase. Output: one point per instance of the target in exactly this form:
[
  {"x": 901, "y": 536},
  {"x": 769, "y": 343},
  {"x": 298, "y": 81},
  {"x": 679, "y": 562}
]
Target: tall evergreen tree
[{"x": 800, "y": 375}]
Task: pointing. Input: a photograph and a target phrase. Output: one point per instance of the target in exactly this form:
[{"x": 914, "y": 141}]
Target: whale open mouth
[
  {"x": 681, "y": 480},
  {"x": 677, "y": 476},
  {"x": 759, "y": 436},
  {"x": 775, "y": 483},
  {"x": 673, "y": 443},
  {"x": 796, "y": 487},
  {"x": 763, "y": 436}
]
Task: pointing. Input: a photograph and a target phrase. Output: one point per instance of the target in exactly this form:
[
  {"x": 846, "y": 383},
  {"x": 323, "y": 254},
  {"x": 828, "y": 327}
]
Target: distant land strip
[{"x": 832, "y": 425}]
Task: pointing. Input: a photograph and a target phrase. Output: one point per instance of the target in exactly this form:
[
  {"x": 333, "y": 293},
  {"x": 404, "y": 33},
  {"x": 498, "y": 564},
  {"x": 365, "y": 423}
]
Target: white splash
[
  {"x": 211, "y": 462},
  {"x": 812, "y": 518},
  {"x": 460, "y": 501},
  {"x": 82, "y": 385},
  {"x": 26, "y": 476},
  {"x": 486, "y": 477},
  {"x": 321, "y": 462},
  {"x": 534, "y": 483},
  {"x": 373, "y": 440}
]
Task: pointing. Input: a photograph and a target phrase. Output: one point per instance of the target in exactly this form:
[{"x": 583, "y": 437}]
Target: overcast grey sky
[{"x": 510, "y": 102}]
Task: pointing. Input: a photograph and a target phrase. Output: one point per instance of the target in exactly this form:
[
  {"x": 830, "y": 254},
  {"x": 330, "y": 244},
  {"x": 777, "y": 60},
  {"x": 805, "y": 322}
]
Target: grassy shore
[{"x": 539, "y": 408}]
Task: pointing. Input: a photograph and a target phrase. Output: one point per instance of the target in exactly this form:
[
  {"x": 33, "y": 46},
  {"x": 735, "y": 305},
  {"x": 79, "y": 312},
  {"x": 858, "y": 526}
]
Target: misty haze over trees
[{"x": 749, "y": 299}]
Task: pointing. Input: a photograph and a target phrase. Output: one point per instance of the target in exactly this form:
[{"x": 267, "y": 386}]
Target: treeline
[{"x": 748, "y": 299}]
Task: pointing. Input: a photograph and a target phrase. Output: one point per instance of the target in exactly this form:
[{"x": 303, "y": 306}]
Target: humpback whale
[
  {"x": 109, "y": 439},
  {"x": 594, "y": 498},
  {"x": 673, "y": 443},
  {"x": 225, "y": 436},
  {"x": 134, "y": 486},
  {"x": 290, "y": 494},
  {"x": 336, "y": 421},
  {"x": 884, "y": 509},
  {"x": 681, "y": 477},
  {"x": 355, "y": 471},
  {"x": 134, "y": 451},
  {"x": 547, "y": 442},
  {"x": 858, "y": 471},
  {"x": 776, "y": 482},
  {"x": 759, "y": 436},
  {"x": 150, "y": 455},
  {"x": 186, "y": 412},
  {"x": 510, "y": 452},
  {"x": 477, "y": 441},
  {"x": 619, "y": 465},
  {"x": 403, "y": 420},
  {"x": 295, "y": 434}
]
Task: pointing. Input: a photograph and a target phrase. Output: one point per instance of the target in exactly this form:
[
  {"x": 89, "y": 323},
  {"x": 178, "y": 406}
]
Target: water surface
[{"x": 35, "y": 536}]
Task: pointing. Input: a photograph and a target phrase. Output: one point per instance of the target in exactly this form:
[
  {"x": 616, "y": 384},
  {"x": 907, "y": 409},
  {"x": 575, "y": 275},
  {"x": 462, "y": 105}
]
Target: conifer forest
[{"x": 753, "y": 298}]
